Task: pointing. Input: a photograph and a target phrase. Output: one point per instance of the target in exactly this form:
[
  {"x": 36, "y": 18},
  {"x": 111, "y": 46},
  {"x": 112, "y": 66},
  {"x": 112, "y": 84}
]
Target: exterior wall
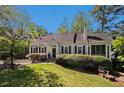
[{"x": 54, "y": 44}]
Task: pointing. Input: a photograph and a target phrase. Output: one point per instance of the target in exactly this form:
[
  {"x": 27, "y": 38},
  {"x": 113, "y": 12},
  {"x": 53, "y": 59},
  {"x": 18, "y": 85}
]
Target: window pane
[
  {"x": 93, "y": 49},
  {"x": 43, "y": 50},
  {"x": 66, "y": 50},
  {"x": 79, "y": 50}
]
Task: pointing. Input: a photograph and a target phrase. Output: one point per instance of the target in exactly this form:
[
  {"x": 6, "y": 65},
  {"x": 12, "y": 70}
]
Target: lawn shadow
[
  {"x": 27, "y": 77},
  {"x": 83, "y": 70}
]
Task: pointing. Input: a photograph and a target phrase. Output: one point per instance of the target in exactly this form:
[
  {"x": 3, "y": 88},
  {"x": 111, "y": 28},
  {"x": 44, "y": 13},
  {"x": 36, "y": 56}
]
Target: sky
[{"x": 50, "y": 17}]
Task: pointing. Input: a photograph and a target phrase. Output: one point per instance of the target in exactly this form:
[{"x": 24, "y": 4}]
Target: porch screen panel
[
  {"x": 97, "y": 49},
  {"x": 93, "y": 49},
  {"x": 103, "y": 50}
]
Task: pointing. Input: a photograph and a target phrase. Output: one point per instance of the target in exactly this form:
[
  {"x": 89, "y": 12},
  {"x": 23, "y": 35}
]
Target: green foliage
[
  {"x": 21, "y": 49},
  {"x": 109, "y": 17},
  {"x": 36, "y": 31},
  {"x": 4, "y": 48},
  {"x": 80, "y": 22},
  {"x": 80, "y": 60},
  {"x": 63, "y": 28},
  {"x": 118, "y": 45}
]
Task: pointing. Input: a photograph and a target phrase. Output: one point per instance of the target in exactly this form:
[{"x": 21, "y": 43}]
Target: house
[{"x": 90, "y": 43}]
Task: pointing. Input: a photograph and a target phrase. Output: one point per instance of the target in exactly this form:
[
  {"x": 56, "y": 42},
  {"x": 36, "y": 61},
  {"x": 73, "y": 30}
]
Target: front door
[{"x": 53, "y": 52}]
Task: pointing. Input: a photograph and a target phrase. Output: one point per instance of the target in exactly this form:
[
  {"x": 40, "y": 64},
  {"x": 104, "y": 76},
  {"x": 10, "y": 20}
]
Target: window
[
  {"x": 69, "y": 49},
  {"x": 36, "y": 51},
  {"x": 66, "y": 50},
  {"x": 88, "y": 50},
  {"x": 75, "y": 50},
  {"x": 43, "y": 50},
  {"x": 62, "y": 49},
  {"x": 83, "y": 49},
  {"x": 79, "y": 50}
]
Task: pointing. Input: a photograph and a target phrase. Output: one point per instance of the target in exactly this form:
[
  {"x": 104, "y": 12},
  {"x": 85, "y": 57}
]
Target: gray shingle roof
[{"x": 70, "y": 36}]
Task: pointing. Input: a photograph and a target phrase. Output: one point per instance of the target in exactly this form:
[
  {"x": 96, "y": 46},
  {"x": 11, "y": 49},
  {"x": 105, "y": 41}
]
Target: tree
[
  {"x": 14, "y": 22},
  {"x": 80, "y": 22},
  {"x": 109, "y": 17},
  {"x": 118, "y": 45},
  {"x": 63, "y": 28},
  {"x": 36, "y": 31}
]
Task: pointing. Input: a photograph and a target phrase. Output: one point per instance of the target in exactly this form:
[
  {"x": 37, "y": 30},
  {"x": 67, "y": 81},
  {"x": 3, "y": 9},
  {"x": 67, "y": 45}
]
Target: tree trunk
[{"x": 11, "y": 55}]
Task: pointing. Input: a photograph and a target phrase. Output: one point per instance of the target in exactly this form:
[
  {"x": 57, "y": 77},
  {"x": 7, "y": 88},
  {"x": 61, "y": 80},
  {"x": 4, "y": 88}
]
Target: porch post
[
  {"x": 73, "y": 48},
  {"x": 106, "y": 50},
  {"x": 57, "y": 49},
  {"x": 38, "y": 49},
  {"x": 46, "y": 50},
  {"x": 110, "y": 51},
  {"x": 90, "y": 49},
  {"x": 29, "y": 49},
  {"x": 86, "y": 48}
]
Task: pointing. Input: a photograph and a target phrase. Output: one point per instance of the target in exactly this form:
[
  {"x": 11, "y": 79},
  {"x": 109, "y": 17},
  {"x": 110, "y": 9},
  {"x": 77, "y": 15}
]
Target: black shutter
[
  {"x": 83, "y": 49},
  {"x": 39, "y": 50},
  {"x": 62, "y": 49},
  {"x": 69, "y": 49},
  {"x": 45, "y": 49},
  {"x": 31, "y": 49}
]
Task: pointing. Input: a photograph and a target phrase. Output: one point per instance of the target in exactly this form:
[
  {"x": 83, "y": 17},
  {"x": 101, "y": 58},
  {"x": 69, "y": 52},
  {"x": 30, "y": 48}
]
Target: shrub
[
  {"x": 80, "y": 60},
  {"x": 36, "y": 57}
]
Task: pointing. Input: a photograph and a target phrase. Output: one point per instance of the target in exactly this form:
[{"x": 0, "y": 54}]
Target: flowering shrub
[{"x": 36, "y": 57}]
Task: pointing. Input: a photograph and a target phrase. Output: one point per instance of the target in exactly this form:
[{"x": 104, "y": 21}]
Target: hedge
[{"x": 80, "y": 60}]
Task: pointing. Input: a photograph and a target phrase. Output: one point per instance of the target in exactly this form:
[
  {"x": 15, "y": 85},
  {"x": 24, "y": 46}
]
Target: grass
[{"x": 51, "y": 75}]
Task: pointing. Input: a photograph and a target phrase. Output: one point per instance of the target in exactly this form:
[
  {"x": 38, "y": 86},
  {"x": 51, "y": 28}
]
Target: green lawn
[{"x": 51, "y": 75}]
